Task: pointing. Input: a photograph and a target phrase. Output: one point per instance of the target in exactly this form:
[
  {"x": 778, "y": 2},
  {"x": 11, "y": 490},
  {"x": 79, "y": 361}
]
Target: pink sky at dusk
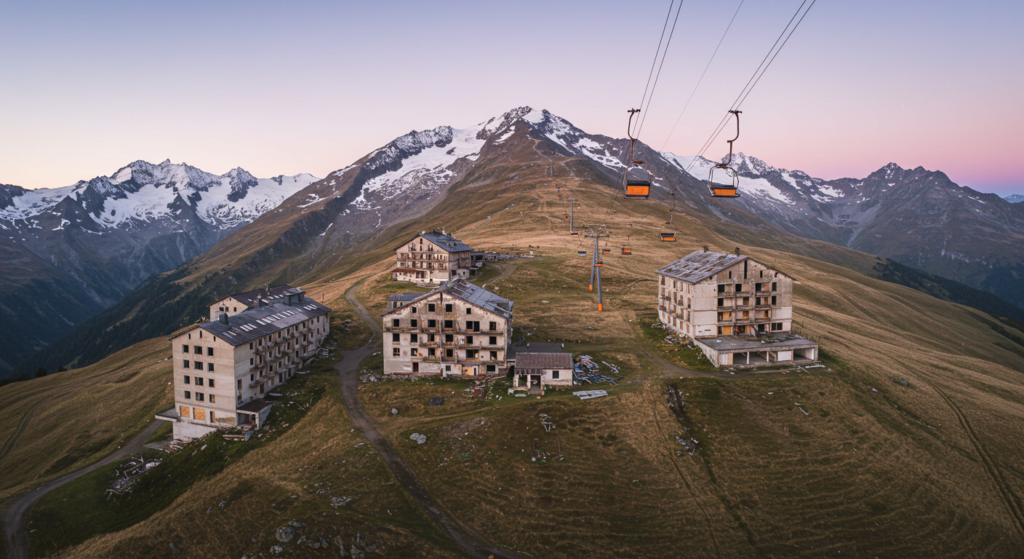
[{"x": 311, "y": 87}]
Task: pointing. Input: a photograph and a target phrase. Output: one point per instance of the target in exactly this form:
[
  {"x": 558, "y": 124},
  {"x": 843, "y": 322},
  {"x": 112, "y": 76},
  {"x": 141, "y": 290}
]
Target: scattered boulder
[
  {"x": 436, "y": 401},
  {"x": 276, "y": 549},
  {"x": 394, "y": 411},
  {"x": 340, "y": 501},
  {"x": 284, "y": 534},
  {"x": 418, "y": 438},
  {"x": 174, "y": 548},
  {"x": 357, "y": 553}
]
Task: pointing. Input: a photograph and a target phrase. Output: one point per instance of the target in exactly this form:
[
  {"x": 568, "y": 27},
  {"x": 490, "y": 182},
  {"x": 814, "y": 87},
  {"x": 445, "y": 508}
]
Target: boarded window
[
  {"x": 213, "y": 400},
  {"x": 199, "y": 414},
  {"x": 185, "y": 411}
]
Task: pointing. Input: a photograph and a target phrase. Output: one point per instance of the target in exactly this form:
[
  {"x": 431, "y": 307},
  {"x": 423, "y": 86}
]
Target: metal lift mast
[{"x": 596, "y": 270}]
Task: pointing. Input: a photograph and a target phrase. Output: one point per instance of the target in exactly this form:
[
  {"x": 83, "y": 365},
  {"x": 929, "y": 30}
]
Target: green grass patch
[{"x": 82, "y": 509}]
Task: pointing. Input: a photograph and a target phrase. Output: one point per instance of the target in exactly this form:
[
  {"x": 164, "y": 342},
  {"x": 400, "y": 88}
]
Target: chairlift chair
[
  {"x": 581, "y": 252},
  {"x": 637, "y": 186},
  {"x": 668, "y": 237},
  {"x": 720, "y": 190}
]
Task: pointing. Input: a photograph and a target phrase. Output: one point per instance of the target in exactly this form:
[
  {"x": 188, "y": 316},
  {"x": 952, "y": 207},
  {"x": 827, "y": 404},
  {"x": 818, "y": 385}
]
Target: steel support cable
[
  {"x": 643, "y": 115},
  {"x": 656, "y": 52},
  {"x": 756, "y": 77},
  {"x": 712, "y": 59}
]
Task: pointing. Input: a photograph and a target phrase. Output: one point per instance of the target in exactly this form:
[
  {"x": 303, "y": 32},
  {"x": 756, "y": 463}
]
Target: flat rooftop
[{"x": 742, "y": 344}]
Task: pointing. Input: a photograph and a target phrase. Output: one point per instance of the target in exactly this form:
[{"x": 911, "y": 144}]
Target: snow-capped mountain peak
[{"x": 142, "y": 192}]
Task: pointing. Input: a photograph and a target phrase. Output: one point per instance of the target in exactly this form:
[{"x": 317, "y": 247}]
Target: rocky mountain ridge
[{"x": 70, "y": 252}]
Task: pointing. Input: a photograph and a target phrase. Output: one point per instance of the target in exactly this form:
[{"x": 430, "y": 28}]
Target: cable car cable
[
  {"x": 643, "y": 116},
  {"x": 756, "y": 76},
  {"x": 712, "y": 59},
  {"x": 655, "y": 61}
]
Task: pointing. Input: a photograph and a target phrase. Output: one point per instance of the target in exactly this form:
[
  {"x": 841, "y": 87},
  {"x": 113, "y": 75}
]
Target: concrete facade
[
  {"x": 534, "y": 371},
  {"x": 456, "y": 330},
  {"x": 709, "y": 295},
  {"x": 433, "y": 259},
  {"x": 223, "y": 368}
]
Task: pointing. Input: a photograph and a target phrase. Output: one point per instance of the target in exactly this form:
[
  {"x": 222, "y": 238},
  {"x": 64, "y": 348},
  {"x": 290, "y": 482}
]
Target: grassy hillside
[{"x": 876, "y": 468}]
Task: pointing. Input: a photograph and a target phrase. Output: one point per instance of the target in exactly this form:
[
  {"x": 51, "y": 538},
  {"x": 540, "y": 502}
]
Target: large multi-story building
[
  {"x": 241, "y": 302},
  {"x": 739, "y": 311},
  {"x": 433, "y": 258},
  {"x": 458, "y": 329},
  {"x": 223, "y": 368}
]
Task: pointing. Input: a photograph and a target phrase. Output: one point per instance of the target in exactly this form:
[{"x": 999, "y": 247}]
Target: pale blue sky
[{"x": 283, "y": 88}]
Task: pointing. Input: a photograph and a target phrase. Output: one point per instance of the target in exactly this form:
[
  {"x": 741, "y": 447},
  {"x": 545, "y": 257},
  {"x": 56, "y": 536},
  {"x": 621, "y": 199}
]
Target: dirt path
[
  {"x": 506, "y": 270},
  {"x": 993, "y": 470},
  {"x": 348, "y": 369},
  {"x": 9, "y": 444},
  {"x": 16, "y": 513}
]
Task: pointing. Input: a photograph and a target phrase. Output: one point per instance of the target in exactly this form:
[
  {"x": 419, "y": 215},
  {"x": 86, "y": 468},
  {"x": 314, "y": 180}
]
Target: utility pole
[{"x": 595, "y": 270}]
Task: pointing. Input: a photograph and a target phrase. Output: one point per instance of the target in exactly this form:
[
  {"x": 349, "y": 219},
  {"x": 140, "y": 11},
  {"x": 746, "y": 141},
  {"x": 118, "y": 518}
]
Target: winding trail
[
  {"x": 13, "y": 439},
  {"x": 347, "y": 372},
  {"x": 16, "y": 513}
]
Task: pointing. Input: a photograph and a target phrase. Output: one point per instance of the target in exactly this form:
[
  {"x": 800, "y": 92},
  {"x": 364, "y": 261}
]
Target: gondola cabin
[
  {"x": 638, "y": 188},
  {"x": 668, "y": 237}
]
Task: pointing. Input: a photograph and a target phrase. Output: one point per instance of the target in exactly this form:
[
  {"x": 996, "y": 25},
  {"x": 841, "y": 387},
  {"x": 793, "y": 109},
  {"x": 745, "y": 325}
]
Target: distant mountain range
[
  {"x": 916, "y": 217},
  {"x": 1014, "y": 198},
  {"x": 70, "y": 252}
]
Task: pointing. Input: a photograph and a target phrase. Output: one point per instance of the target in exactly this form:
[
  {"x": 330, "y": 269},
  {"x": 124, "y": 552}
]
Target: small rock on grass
[{"x": 284, "y": 534}]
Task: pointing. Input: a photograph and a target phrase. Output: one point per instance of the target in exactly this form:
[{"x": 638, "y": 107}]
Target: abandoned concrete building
[
  {"x": 536, "y": 369},
  {"x": 241, "y": 302},
  {"x": 738, "y": 311},
  {"x": 458, "y": 329},
  {"x": 432, "y": 259},
  {"x": 223, "y": 368}
]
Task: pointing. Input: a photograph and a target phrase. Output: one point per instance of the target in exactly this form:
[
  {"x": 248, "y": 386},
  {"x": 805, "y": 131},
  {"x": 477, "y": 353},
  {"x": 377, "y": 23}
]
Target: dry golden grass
[
  {"x": 319, "y": 453},
  {"x": 927, "y": 470},
  {"x": 80, "y": 415}
]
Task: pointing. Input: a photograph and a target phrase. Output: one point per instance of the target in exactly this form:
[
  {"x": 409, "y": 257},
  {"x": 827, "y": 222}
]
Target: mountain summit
[{"x": 70, "y": 252}]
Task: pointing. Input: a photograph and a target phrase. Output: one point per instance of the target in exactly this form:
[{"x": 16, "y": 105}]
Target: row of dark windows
[
  {"x": 200, "y": 397},
  {"x": 198, "y": 365},
  {"x": 198, "y": 350},
  {"x": 448, "y": 338},
  {"x": 199, "y": 381},
  {"x": 473, "y": 325}
]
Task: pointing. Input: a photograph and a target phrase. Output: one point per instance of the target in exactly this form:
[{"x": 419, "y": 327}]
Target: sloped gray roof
[
  {"x": 465, "y": 291},
  {"x": 445, "y": 242},
  {"x": 699, "y": 265},
  {"x": 249, "y": 297},
  {"x": 247, "y": 326},
  {"x": 405, "y": 297},
  {"x": 543, "y": 361}
]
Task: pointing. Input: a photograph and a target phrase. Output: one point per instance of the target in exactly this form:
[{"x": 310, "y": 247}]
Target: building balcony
[
  {"x": 762, "y": 307},
  {"x": 762, "y": 293}
]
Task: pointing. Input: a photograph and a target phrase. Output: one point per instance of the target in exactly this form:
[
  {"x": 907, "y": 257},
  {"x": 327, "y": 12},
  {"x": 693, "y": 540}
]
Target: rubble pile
[{"x": 586, "y": 370}]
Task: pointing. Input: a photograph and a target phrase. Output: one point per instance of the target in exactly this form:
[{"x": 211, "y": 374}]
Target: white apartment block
[
  {"x": 433, "y": 258},
  {"x": 223, "y": 368},
  {"x": 739, "y": 311},
  {"x": 458, "y": 330}
]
